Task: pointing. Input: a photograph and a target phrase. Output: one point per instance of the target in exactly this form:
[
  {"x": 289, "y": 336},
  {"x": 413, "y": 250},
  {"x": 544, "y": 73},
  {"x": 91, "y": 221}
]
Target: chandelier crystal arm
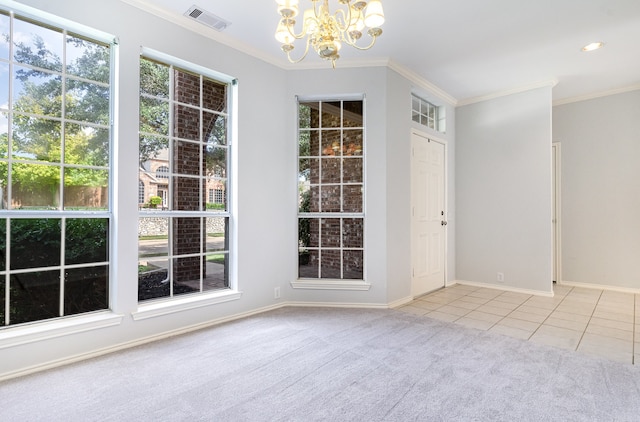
[
  {"x": 342, "y": 19},
  {"x": 288, "y": 25},
  {"x": 374, "y": 33},
  {"x": 289, "y": 50}
]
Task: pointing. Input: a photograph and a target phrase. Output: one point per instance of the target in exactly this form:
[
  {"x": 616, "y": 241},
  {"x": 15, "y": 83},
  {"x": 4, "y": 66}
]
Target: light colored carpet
[{"x": 312, "y": 364}]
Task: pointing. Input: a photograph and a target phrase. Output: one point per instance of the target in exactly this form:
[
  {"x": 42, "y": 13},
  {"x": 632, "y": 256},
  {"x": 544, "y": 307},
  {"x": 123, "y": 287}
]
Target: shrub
[{"x": 154, "y": 201}]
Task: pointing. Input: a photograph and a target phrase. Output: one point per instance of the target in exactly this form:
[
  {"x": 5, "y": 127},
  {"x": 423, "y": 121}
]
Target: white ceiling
[{"x": 467, "y": 48}]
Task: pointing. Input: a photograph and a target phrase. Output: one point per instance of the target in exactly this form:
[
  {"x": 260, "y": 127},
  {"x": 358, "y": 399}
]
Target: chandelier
[{"x": 326, "y": 32}]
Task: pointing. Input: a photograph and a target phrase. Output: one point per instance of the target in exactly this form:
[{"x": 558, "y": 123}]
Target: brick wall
[
  {"x": 336, "y": 179},
  {"x": 190, "y": 192}
]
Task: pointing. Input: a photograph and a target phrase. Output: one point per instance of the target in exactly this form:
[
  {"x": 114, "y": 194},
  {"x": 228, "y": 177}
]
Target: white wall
[
  {"x": 263, "y": 170},
  {"x": 266, "y": 186},
  {"x": 503, "y": 191},
  {"x": 387, "y": 178},
  {"x": 329, "y": 83},
  {"x": 398, "y": 200},
  {"x": 600, "y": 192}
]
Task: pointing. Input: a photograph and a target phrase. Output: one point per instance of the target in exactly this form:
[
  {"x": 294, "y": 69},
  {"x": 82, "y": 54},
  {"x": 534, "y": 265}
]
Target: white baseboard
[
  {"x": 352, "y": 305},
  {"x": 398, "y": 303},
  {"x": 126, "y": 345},
  {"x": 599, "y": 286},
  {"x": 506, "y": 288}
]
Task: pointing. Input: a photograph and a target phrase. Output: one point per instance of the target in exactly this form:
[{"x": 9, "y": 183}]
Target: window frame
[
  {"x": 419, "y": 115},
  {"x": 174, "y": 303},
  {"x": 334, "y": 283},
  {"x": 62, "y": 213}
]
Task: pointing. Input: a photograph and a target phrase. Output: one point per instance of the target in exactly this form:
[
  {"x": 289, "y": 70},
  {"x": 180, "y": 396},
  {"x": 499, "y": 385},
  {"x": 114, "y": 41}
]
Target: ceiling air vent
[{"x": 206, "y": 18}]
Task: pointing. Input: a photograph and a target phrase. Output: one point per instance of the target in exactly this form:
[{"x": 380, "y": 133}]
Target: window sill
[
  {"x": 24, "y": 334},
  {"x": 171, "y": 306},
  {"x": 360, "y": 285}
]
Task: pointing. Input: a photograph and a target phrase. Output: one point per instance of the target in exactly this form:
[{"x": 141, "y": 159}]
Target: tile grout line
[
  {"x": 589, "y": 322},
  {"x": 469, "y": 310},
  {"x": 513, "y": 310},
  {"x": 501, "y": 319},
  {"x": 449, "y": 304},
  {"x": 487, "y": 312},
  {"x": 554, "y": 309},
  {"x": 547, "y": 317}
]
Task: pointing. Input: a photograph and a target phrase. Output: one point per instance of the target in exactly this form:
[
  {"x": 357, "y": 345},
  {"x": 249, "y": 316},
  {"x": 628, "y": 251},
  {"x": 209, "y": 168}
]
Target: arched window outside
[{"x": 162, "y": 172}]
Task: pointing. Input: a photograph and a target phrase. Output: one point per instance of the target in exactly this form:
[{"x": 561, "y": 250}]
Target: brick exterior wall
[
  {"x": 190, "y": 192},
  {"x": 336, "y": 185}
]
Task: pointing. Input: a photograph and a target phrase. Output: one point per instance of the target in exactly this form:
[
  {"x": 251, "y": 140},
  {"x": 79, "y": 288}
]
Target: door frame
[
  {"x": 556, "y": 192},
  {"x": 445, "y": 255}
]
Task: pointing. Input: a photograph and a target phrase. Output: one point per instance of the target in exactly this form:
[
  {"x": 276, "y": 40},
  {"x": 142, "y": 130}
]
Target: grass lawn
[
  {"x": 164, "y": 236},
  {"x": 217, "y": 259}
]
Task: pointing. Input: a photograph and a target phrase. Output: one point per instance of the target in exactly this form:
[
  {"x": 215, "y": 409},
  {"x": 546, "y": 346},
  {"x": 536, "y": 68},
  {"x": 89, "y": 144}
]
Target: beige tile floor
[{"x": 603, "y": 323}]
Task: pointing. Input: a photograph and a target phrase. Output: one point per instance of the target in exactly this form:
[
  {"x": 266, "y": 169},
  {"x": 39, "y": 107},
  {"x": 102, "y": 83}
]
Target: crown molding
[
  {"x": 231, "y": 42},
  {"x": 341, "y": 64},
  {"x": 204, "y": 30},
  {"x": 596, "y": 95},
  {"x": 422, "y": 83},
  {"x": 245, "y": 48},
  {"x": 512, "y": 91}
]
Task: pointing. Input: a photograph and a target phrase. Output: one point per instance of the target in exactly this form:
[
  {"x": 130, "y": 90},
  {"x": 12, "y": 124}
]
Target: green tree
[
  {"x": 154, "y": 113},
  {"x": 41, "y": 93}
]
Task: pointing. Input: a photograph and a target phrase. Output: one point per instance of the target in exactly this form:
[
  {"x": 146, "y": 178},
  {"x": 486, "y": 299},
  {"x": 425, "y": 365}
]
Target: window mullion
[
  {"x": 171, "y": 142},
  {"x": 7, "y": 278},
  {"x": 63, "y": 225}
]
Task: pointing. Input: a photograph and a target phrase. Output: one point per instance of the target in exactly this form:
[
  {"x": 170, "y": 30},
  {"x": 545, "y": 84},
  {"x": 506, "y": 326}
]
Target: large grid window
[
  {"x": 426, "y": 113},
  {"x": 330, "y": 189},
  {"x": 184, "y": 118},
  {"x": 55, "y": 114}
]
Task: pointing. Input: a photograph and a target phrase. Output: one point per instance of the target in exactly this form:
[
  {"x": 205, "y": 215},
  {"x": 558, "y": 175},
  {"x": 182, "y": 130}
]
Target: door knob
[{"x": 443, "y": 223}]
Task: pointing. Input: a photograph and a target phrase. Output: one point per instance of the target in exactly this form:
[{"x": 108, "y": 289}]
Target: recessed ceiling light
[{"x": 593, "y": 46}]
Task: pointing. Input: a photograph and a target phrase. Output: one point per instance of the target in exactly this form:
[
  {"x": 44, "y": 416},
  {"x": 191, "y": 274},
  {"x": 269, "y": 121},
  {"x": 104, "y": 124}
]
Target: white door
[{"x": 428, "y": 222}]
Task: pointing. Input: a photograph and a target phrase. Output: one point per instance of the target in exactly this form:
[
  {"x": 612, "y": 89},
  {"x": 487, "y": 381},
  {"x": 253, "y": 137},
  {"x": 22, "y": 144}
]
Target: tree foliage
[
  {"x": 44, "y": 138},
  {"x": 154, "y": 113}
]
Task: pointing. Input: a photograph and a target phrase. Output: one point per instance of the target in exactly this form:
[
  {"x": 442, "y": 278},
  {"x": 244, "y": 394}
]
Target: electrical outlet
[
  {"x": 276, "y": 293},
  {"x": 500, "y": 277}
]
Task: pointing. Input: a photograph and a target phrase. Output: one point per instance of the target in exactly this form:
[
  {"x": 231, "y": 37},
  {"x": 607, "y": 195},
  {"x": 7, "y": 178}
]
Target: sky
[{"x": 26, "y": 32}]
